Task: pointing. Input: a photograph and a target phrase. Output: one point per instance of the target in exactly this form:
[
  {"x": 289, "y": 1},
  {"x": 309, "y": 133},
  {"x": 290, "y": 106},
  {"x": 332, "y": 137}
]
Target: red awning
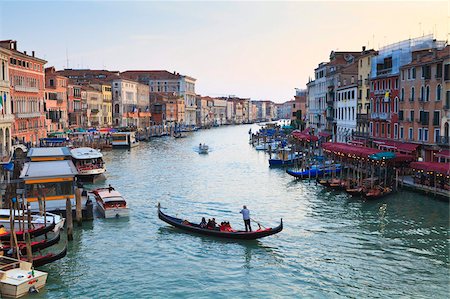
[
  {"x": 398, "y": 146},
  {"x": 443, "y": 154},
  {"x": 432, "y": 166}
]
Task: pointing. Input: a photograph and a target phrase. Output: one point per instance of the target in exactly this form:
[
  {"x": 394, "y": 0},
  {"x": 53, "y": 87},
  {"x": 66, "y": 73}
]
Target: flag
[{"x": 2, "y": 100}]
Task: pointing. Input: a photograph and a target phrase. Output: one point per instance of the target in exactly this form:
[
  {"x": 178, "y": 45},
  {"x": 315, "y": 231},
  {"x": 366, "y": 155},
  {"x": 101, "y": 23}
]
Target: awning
[
  {"x": 442, "y": 168},
  {"x": 443, "y": 154},
  {"x": 382, "y": 156}
]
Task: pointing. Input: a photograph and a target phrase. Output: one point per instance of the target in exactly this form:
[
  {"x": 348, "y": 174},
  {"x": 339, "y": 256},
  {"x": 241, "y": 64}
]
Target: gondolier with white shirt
[{"x": 246, "y": 216}]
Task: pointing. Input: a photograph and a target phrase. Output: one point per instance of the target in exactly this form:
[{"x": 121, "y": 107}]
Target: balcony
[
  {"x": 361, "y": 134},
  {"x": 145, "y": 114},
  {"x": 25, "y": 88},
  {"x": 28, "y": 115},
  {"x": 6, "y": 118},
  {"x": 94, "y": 111},
  {"x": 359, "y": 83},
  {"x": 366, "y": 81},
  {"x": 362, "y": 118},
  {"x": 443, "y": 140}
]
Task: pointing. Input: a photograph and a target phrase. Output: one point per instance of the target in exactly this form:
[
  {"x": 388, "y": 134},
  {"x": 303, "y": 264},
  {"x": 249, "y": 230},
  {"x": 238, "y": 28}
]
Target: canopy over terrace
[
  {"x": 304, "y": 136},
  {"x": 442, "y": 168},
  {"x": 402, "y": 147}
]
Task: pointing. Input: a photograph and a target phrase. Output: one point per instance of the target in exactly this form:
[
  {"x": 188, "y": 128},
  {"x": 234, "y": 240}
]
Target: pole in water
[
  {"x": 79, "y": 215},
  {"x": 69, "y": 220}
]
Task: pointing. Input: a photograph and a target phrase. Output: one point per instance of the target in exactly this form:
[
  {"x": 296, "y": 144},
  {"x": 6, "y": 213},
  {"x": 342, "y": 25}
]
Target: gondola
[
  {"x": 357, "y": 191},
  {"x": 35, "y": 246},
  {"x": 33, "y": 232},
  {"x": 41, "y": 260},
  {"x": 377, "y": 193},
  {"x": 241, "y": 235}
]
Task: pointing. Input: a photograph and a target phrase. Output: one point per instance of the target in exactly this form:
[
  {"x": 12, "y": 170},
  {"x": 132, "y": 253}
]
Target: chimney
[
  {"x": 15, "y": 45},
  {"x": 25, "y": 52},
  {"x": 32, "y": 53},
  {"x": 364, "y": 48}
]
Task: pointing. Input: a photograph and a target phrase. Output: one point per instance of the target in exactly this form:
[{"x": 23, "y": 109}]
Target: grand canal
[{"x": 332, "y": 245}]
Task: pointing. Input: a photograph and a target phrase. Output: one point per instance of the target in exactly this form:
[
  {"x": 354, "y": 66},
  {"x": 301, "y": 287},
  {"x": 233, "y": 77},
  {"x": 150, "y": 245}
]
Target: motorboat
[
  {"x": 203, "y": 149},
  {"x": 285, "y": 158},
  {"x": 18, "y": 278},
  {"x": 88, "y": 161},
  {"x": 111, "y": 203},
  {"x": 37, "y": 219}
]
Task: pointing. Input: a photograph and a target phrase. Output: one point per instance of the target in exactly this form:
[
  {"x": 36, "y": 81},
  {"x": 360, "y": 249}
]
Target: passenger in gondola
[
  {"x": 203, "y": 223},
  {"x": 2, "y": 230},
  {"x": 209, "y": 224},
  {"x": 213, "y": 223}
]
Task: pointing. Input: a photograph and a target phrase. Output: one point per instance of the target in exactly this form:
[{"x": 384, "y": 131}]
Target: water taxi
[
  {"x": 89, "y": 163},
  {"x": 124, "y": 140},
  {"x": 203, "y": 149},
  {"x": 17, "y": 278},
  {"x": 111, "y": 203}
]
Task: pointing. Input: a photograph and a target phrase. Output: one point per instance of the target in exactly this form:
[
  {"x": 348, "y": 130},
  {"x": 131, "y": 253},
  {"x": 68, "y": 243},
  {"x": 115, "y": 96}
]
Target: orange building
[
  {"x": 56, "y": 101},
  {"x": 27, "y": 83}
]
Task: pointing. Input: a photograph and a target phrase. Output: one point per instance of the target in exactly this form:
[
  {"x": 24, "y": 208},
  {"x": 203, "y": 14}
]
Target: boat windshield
[{"x": 113, "y": 199}]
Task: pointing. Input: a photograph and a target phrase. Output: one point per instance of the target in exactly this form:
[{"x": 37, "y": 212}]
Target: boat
[
  {"x": 285, "y": 158},
  {"x": 266, "y": 146},
  {"x": 17, "y": 278},
  {"x": 35, "y": 245},
  {"x": 233, "y": 234},
  {"x": 89, "y": 162},
  {"x": 377, "y": 192},
  {"x": 124, "y": 140},
  {"x": 203, "y": 149},
  {"x": 36, "y": 219},
  {"x": 111, "y": 203},
  {"x": 355, "y": 191},
  {"x": 41, "y": 260},
  {"x": 315, "y": 170},
  {"x": 179, "y": 135},
  {"x": 35, "y": 232}
]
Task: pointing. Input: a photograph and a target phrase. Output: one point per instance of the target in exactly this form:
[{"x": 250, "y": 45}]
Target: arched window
[
  {"x": 428, "y": 93},
  {"x": 438, "y": 92},
  {"x": 396, "y": 105},
  {"x": 413, "y": 94},
  {"x": 3, "y": 71},
  {"x": 371, "y": 108},
  {"x": 116, "y": 108}
]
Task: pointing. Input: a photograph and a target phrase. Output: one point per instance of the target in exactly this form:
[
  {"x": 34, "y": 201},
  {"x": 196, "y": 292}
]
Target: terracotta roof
[
  {"x": 152, "y": 75},
  {"x": 429, "y": 57}
]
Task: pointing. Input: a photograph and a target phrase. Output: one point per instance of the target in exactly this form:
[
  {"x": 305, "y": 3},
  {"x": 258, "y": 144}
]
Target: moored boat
[
  {"x": 315, "y": 171},
  {"x": 285, "y": 158},
  {"x": 232, "y": 234},
  {"x": 35, "y": 245},
  {"x": 124, "y": 140},
  {"x": 111, "y": 203},
  {"x": 377, "y": 192},
  {"x": 36, "y": 219},
  {"x": 17, "y": 278},
  {"x": 89, "y": 162},
  {"x": 41, "y": 260},
  {"x": 35, "y": 232}
]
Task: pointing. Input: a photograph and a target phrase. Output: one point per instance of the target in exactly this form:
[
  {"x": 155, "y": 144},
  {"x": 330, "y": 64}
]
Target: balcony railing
[
  {"x": 94, "y": 111},
  {"x": 443, "y": 140},
  {"x": 362, "y": 117},
  {"x": 6, "y": 118},
  {"x": 28, "y": 115},
  {"x": 26, "y": 88}
]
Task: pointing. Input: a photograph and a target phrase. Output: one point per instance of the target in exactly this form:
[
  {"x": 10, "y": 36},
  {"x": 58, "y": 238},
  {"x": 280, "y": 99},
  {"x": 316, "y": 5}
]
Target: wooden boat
[
  {"x": 111, "y": 203},
  {"x": 377, "y": 192},
  {"x": 314, "y": 171},
  {"x": 179, "y": 135},
  {"x": 324, "y": 182},
  {"x": 35, "y": 245},
  {"x": 195, "y": 228},
  {"x": 355, "y": 191},
  {"x": 285, "y": 158},
  {"x": 36, "y": 219},
  {"x": 335, "y": 184},
  {"x": 17, "y": 278},
  {"x": 39, "y": 231},
  {"x": 41, "y": 260}
]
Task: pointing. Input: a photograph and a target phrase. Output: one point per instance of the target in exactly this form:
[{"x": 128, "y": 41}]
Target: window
[
  {"x": 388, "y": 130},
  {"x": 409, "y": 74},
  {"x": 425, "y": 134},
  {"x": 411, "y": 134},
  {"x": 396, "y": 105},
  {"x": 403, "y": 75},
  {"x": 419, "y": 134},
  {"x": 422, "y": 93},
  {"x": 402, "y": 94},
  {"x": 52, "y": 83},
  {"x": 447, "y": 72},
  {"x": 438, "y": 92},
  {"x": 396, "y": 83},
  {"x": 411, "y": 115},
  {"x": 400, "y": 115},
  {"x": 439, "y": 70},
  {"x": 402, "y": 133},
  {"x": 436, "y": 118},
  {"x": 437, "y": 133},
  {"x": 377, "y": 128},
  {"x": 413, "y": 73},
  {"x": 411, "y": 99},
  {"x": 427, "y": 98},
  {"x": 382, "y": 129}
]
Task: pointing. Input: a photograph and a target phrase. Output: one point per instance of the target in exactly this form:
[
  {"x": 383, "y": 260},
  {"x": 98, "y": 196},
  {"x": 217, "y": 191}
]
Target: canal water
[{"x": 332, "y": 245}]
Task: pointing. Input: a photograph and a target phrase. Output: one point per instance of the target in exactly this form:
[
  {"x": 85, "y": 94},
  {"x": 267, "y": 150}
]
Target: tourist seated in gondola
[
  {"x": 212, "y": 224},
  {"x": 203, "y": 223},
  {"x": 185, "y": 222}
]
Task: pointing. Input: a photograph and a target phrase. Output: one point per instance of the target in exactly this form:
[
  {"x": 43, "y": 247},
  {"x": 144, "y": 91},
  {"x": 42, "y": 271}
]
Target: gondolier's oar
[{"x": 259, "y": 224}]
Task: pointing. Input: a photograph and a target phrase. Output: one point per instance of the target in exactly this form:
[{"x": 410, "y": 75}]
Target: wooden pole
[
  {"x": 29, "y": 216},
  {"x": 29, "y": 252},
  {"x": 79, "y": 215},
  {"x": 69, "y": 220}
]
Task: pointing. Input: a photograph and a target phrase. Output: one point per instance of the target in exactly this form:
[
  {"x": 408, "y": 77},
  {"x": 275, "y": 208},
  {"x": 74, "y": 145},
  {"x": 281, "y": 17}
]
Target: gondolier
[{"x": 246, "y": 216}]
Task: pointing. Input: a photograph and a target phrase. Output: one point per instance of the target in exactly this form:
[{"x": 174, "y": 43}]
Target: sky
[{"x": 258, "y": 50}]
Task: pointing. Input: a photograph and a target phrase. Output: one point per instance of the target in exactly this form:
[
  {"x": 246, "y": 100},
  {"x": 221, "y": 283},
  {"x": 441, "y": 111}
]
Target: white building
[
  {"x": 125, "y": 111},
  {"x": 317, "y": 96},
  {"x": 345, "y": 109}
]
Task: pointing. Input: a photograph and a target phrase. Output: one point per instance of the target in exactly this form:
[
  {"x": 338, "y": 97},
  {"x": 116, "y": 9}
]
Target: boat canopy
[
  {"x": 107, "y": 196},
  {"x": 84, "y": 153},
  {"x": 48, "y": 169},
  {"x": 441, "y": 168},
  {"x": 48, "y": 153}
]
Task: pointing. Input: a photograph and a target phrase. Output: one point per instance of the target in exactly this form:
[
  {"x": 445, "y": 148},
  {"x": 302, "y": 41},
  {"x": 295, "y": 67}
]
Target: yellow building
[
  {"x": 105, "y": 89},
  {"x": 364, "y": 69}
]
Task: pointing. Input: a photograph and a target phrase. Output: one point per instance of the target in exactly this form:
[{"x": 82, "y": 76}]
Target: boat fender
[{"x": 33, "y": 290}]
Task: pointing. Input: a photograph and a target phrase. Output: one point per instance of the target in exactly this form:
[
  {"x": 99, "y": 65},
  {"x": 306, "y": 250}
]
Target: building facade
[
  {"x": 6, "y": 117},
  {"x": 27, "y": 92},
  {"x": 56, "y": 101}
]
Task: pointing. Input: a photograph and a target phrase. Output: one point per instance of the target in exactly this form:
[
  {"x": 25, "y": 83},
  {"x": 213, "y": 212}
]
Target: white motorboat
[
  {"x": 111, "y": 204},
  {"x": 36, "y": 219},
  {"x": 17, "y": 278},
  {"x": 88, "y": 161},
  {"x": 203, "y": 149}
]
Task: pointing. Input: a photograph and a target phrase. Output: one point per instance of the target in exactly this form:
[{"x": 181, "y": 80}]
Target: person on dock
[{"x": 246, "y": 216}]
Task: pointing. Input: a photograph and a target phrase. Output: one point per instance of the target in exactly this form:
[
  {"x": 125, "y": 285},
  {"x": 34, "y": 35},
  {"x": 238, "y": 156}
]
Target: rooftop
[
  {"x": 48, "y": 169},
  {"x": 54, "y": 152}
]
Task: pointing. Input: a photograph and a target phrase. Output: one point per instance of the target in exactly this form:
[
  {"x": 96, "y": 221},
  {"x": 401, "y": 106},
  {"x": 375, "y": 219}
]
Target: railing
[
  {"x": 361, "y": 134},
  {"x": 384, "y": 71},
  {"x": 26, "y": 88},
  {"x": 6, "y": 118},
  {"x": 362, "y": 117},
  {"x": 443, "y": 140},
  {"x": 28, "y": 115}
]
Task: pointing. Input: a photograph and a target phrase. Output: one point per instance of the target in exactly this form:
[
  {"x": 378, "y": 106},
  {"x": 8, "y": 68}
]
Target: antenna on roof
[{"x": 67, "y": 58}]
